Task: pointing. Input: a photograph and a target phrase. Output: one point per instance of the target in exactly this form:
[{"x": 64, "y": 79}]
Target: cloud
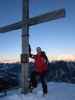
[{"x": 62, "y": 57}]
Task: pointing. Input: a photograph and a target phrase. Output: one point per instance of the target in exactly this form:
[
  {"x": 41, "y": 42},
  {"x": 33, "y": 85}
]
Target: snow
[{"x": 56, "y": 91}]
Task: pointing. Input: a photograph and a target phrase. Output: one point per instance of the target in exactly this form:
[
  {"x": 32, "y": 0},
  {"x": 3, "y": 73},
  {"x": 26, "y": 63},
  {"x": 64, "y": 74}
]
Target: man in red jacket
[{"x": 41, "y": 68}]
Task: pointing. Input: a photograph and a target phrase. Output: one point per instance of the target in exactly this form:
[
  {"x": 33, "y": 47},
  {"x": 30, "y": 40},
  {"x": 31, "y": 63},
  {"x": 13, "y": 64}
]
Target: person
[{"x": 41, "y": 68}]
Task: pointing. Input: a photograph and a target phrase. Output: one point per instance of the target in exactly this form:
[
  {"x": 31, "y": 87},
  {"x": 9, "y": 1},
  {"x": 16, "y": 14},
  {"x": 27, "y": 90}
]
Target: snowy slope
[{"x": 57, "y": 91}]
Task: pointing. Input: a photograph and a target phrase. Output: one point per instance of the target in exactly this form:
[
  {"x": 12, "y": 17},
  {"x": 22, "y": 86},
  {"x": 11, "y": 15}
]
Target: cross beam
[
  {"x": 24, "y": 25},
  {"x": 34, "y": 20}
]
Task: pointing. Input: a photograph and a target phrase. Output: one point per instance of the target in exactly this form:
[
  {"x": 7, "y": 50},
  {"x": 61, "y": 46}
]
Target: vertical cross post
[{"x": 25, "y": 48}]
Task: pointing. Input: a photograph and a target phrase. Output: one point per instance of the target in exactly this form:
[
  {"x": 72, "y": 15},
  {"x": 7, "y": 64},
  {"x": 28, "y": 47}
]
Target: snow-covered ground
[{"x": 57, "y": 91}]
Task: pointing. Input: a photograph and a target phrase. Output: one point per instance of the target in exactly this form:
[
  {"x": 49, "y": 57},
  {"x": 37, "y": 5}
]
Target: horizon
[{"x": 50, "y": 58}]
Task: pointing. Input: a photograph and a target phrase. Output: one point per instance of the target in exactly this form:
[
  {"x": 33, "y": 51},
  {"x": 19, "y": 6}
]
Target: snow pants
[{"x": 35, "y": 77}]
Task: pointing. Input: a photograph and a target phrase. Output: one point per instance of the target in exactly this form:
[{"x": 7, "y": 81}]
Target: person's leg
[
  {"x": 33, "y": 81},
  {"x": 44, "y": 83}
]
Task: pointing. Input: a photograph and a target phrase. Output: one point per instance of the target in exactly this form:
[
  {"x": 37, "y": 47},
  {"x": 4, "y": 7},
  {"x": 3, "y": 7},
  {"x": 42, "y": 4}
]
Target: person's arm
[
  {"x": 30, "y": 54},
  {"x": 46, "y": 59}
]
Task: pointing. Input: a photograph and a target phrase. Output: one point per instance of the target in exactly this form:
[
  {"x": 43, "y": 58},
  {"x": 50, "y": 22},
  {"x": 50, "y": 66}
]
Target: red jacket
[{"x": 40, "y": 63}]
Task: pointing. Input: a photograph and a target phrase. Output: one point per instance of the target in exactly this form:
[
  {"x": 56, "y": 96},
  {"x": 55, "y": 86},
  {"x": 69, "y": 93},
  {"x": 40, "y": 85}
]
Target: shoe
[
  {"x": 30, "y": 89},
  {"x": 45, "y": 94}
]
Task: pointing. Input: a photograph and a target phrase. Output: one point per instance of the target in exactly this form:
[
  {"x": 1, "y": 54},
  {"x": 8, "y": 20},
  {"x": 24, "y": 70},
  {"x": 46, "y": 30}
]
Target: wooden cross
[{"x": 24, "y": 25}]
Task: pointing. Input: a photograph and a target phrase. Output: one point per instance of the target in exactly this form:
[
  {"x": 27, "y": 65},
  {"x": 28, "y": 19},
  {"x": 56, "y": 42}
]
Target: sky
[{"x": 55, "y": 37}]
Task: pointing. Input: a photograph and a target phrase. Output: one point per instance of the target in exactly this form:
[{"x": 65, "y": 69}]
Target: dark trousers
[{"x": 34, "y": 80}]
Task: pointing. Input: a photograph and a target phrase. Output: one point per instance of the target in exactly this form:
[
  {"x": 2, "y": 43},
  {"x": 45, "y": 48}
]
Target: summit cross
[{"x": 24, "y": 24}]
